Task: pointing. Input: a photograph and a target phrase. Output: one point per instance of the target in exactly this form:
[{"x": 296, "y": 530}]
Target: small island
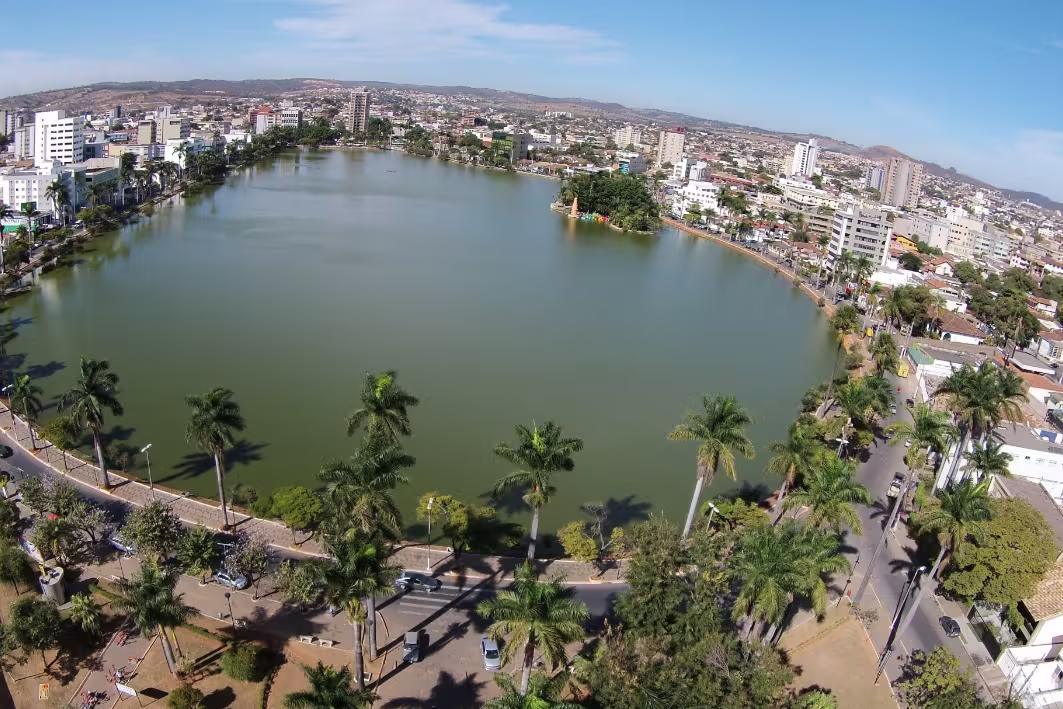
[{"x": 624, "y": 201}]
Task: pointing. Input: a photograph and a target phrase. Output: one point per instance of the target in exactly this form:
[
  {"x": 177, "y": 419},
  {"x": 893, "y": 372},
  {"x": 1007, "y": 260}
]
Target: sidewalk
[
  {"x": 122, "y": 655},
  {"x": 50, "y": 461}
]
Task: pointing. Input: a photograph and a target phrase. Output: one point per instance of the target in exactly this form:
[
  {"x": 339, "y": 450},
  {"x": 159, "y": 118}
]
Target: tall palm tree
[
  {"x": 150, "y": 600},
  {"x": 353, "y": 582},
  {"x": 884, "y": 353},
  {"x": 543, "y": 693},
  {"x": 988, "y": 459},
  {"x": 794, "y": 457},
  {"x": 720, "y": 429},
  {"x": 216, "y": 418},
  {"x": 960, "y": 513},
  {"x": 329, "y": 689},
  {"x": 534, "y": 615},
  {"x": 539, "y": 453},
  {"x": 358, "y": 490},
  {"x": 26, "y": 401},
  {"x": 830, "y": 492},
  {"x": 385, "y": 405},
  {"x": 29, "y": 211},
  {"x": 59, "y": 196},
  {"x": 95, "y": 391}
]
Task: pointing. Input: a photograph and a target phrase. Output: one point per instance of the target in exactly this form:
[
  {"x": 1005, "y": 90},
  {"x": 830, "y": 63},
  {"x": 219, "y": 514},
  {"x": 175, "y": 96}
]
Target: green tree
[
  {"x": 298, "y": 507},
  {"x": 544, "y": 692},
  {"x": 720, "y": 430},
  {"x": 329, "y": 689},
  {"x": 938, "y": 681},
  {"x": 385, "y": 406},
  {"x": 249, "y": 557},
  {"x": 353, "y": 582},
  {"x": 85, "y": 613},
  {"x": 1008, "y": 557},
  {"x": 300, "y": 582},
  {"x": 59, "y": 196},
  {"x": 15, "y": 566},
  {"x": 26, "y": 402},
  {"x": 95, "y": 392},
  {"x": 967, "y": 272},
  {"x": 151, "y": 602},
  {"x": 216, "y": 419},
  {"x": 64, "y": 433},
  {"x": 831, "y": 492},
  {"x": 795, "y": 457},
  {"x": 534, "y": 616},
  {"x": 988, "y": 459},
  {"x": 89, "y": 519},
  {"x": 884, "y": 353},
  {"x": 961, "y": 510},
  {"x": 185, "y": 697},
  {"x": 197, "y": 552},
  {"x": 56, "y": 538},
  {"x": 358, "y": 491},
  {"x": 35, "y": 626},
  {"x": 910, "y": 261},
  {"x": 539, "y": 453},
  {"x": 154, "y": 530},
  {"x": 815, "y": 699}
]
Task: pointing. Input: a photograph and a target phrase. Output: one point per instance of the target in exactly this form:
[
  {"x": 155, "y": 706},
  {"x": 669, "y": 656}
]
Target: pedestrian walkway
[
  {"x": 52, "y": 461},
  {"x": 117, "y": 663}
]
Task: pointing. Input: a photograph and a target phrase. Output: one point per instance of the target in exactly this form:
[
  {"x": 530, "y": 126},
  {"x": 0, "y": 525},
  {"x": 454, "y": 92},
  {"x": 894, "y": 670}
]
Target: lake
[{"x": 290, "y": 281}]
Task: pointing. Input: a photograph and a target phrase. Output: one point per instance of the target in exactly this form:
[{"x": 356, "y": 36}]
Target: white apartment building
[
  {"x": 993, "y": 243},
  {"x": 670, "y": 146},
  {"x": 861, "y": 231},
  {"x": 57, "y": 137},
  {"x": 801, "y": 194},
  {"x": 30, "y": 185},
  {"x": 290, "y": 116},
  {"x": 875, "y": 178},
  {"x": 921, "y": 227},
  {"x": 702, "y": 193},
  {"x": 175, "y": 154},
  {"x": 903, "y": 183},
  {"x": 628, "y": 135},
  {"x": 963, "y": 231},
  {"x": 680, "y": 169},
  {"x": 804, "y": 160},
  {"x": 25, "y": 138},
  {"x": 700, "y": 170}
]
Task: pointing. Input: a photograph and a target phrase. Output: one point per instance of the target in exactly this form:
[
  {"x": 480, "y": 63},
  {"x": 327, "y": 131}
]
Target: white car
[{"x": 492, "y": 657}]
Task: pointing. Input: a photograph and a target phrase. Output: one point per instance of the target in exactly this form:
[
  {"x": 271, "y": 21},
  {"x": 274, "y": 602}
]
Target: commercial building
[
  {"x": 630, "y": 163},
  {"x": 861, "y": 231},
  {"x": 903, "y": 184},
  {"x": 24, "y": 140},
  {"x": 57, "y": 137},
  {"x": 174, "y": 128},
  {"x": 147, "y": 132},
  {"x": 802, "y": 195},
  {"x": 290, "y": 116},
  {"x": 143, "y": 151},
  {"x": 920, "y": 227},
  {"x": 358, "y": 111},
  {"x": 701, "y": 193},
  {"x": 628, "y": 135},
  {"x": 804, "y": 160},
  {"x": 670, "y": 145}
]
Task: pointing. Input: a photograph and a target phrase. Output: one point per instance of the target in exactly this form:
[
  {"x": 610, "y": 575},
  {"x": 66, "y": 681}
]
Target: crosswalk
[{"x": 421, "y": 603}]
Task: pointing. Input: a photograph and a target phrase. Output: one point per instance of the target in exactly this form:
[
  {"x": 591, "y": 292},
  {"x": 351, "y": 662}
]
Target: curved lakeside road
[{"x": 295, "y": 276}]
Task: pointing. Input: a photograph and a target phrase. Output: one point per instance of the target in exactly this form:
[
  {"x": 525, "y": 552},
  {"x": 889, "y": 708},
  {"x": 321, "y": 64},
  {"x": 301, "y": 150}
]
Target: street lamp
[
  {"x": 431, "y": 501},
  {"x": 10, "y": 410},
  {"x": 895, "y": 628},
  {"x": 147, "y": 455},
  {"x": 712, "y": 510},
  {"x": 230, "y": 604}
]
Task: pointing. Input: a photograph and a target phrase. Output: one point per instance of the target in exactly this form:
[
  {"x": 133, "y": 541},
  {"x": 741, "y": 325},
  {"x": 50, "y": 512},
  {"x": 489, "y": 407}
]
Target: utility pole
[
  {"x": 882, "y": 538},
  {"x": 896, "y": 631}
]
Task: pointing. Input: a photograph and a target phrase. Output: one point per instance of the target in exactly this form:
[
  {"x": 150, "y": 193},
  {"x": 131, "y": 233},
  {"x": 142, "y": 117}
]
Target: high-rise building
[
  {"x": 804, "y": 160},
  {"x": 358, "y": 111},
  {"x": 874, "y": 178},
  {"x": 670, "y": 146},
  {"x": 903, "y": 183},
  {"x": 290, "y": 116},
  {"x": 861, "y": 231},
  {"x": 174, "y": 128},
  {"x": 147, "y": 132},
  {"x": 57, "y": 137},
  {"x": 25, "y": 139},
  {"x": 628, "y": 135}
]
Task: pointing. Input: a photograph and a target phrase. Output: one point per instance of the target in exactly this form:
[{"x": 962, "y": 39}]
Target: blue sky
[{"x": 976, "y": 84}]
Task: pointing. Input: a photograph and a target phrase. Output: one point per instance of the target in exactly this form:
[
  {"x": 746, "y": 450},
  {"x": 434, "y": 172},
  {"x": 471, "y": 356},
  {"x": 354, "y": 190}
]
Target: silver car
[
  {"x": 237, "y": 582},
  {"x": 492, "y": 657}
]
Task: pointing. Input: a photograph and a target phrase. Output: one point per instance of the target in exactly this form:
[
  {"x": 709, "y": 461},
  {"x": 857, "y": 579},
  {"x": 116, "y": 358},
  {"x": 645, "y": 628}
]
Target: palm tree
[
  {"x": 29, "y": 211},
  {"x": 215, "y": 420},
  {"x": 960, "y": 513},
  {"x": 540, "y": 452},
  {"x": 329, "y": 689},
  {"x": 794, "y": 457},
  {"x": 884, "y": 353},
  {"x": 384, "y": 406},
  {"x": 359, "y": 489},
  {"x": 543, "y": 693},
  {"x": 534, "y": 615},
  {"x": 830, "y": 491},
  {"x": 353, "y": 582},
  {"x": 96, "y": 390},
  {"x": 153, "y": 605},
  {"x": 26, "y": 401},
  {"x": 59, "y": 196},
  {"x": 85, "y": 613},
  {"x": 720, "y": 429},
  {"x": 988, "y": 459}
]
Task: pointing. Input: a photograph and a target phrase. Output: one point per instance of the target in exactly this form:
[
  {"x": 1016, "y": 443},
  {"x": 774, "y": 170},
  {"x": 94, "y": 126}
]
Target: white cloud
[{"x": 378, "y": 30}]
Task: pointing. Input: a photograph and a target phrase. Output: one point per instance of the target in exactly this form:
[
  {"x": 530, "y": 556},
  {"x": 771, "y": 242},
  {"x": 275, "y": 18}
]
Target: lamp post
[
  {"x": 147, "y": 455},
  {"x": 895, "y": 629},
  {"x": 431, "y": 501},
  {"x": 712, "y": 510},
  {"x": 230, "y": 604},
  {"x": 9, "y": 409}
]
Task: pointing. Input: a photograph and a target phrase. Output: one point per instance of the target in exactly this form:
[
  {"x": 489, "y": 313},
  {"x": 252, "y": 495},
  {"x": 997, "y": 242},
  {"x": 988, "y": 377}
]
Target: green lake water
[{"x": 292, "y": 279}]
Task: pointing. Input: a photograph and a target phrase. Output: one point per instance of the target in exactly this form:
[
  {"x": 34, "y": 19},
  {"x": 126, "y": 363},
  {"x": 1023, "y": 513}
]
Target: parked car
[
  {"x": 411, "y": 647},
  {"x": 6, "y": 452},
  {"x": 491, "y": 655},
  {"x": 896, "y": 485},
  {"x": 411, "y": 580},
  {"x": 950, "y": 626},
  {"x": 237, "y": 582},
  {"x": 118, "y": 542},
  {"x": 893, "y": 409}
]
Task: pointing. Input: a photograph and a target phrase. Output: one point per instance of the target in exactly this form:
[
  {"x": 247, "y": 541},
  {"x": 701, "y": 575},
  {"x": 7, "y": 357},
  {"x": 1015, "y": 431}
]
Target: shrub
[
  {"x": 185, "y": 697},
  {"x": 246, "y": 661}
]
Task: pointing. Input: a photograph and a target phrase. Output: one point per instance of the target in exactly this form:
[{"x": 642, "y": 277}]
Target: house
[
  {"x": 1049, "y": 344},
  {"x": 939, "y": 265},
  {"x": 948, "y": 293},
  {"x": 957, "y": 328},
  {"x": 1042, "y": 306}
]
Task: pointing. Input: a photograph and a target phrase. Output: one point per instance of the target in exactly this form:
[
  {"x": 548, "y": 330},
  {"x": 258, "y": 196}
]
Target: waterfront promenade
[{"x": 49, "y": 461}]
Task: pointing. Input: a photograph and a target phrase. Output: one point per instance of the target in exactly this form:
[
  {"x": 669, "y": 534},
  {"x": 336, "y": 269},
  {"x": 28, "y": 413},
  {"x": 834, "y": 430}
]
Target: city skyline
[{"x": 961, "y": 85}]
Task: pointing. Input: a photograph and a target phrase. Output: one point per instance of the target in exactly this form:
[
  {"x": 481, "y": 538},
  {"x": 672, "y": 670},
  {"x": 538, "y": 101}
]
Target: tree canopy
[{"x": 625, "y": 199}]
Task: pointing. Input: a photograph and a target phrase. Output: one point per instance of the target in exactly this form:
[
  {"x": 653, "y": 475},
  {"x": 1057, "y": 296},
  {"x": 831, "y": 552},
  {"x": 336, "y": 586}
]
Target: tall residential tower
[
  {"x": 358, "y": 111},
  {"x": 804, "y": 161},
  {"x": 903, "y": 183}
]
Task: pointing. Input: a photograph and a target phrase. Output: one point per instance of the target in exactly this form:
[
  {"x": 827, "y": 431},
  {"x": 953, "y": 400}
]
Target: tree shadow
[
  {"x": 626, "y": 510},
  {"x": 509, "y": 501},
  {"x": 221, "y": 697},
  {"x": 446, "y": 692},
  {"x": 748, "y": 492},
  {"x": 43, "y": 371},
  {"x": 243, "y": 452}
]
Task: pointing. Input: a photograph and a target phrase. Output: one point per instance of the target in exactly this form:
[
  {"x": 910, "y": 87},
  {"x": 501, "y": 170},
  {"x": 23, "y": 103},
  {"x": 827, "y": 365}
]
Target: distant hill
[{"x": 145, "y": 94}]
